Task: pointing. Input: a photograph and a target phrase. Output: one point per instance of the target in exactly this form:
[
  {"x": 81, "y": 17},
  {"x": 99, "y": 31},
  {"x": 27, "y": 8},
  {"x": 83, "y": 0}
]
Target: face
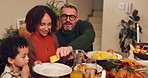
[
  {"x": 22, "y": 57},
  {"x": 68, "y": 18},
  {"x": 45, "y": 25}
]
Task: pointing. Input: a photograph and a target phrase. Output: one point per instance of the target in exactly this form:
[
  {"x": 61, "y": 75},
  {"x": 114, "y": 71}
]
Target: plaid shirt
[{"x": 9, "y": 73}]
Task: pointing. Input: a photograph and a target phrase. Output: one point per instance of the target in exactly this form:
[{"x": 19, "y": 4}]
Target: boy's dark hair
[{"x": 9, "y": 47}]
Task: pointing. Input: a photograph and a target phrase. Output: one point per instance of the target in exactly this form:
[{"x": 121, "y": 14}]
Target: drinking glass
[
  {"x": 78, "y": 56},
  {"x": 91, "y": 67}
]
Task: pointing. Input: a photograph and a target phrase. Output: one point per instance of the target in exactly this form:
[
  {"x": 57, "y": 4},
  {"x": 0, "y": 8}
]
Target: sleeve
[{"x": 86, "y": 39}]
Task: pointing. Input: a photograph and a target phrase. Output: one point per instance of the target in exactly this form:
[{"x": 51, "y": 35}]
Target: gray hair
[{"x": 69, "y": 5}]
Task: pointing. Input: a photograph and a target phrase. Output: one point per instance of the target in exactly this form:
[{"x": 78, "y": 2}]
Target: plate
[
  {"x": 89, "y": 55},
  {"x": 52, "y": 69},
  {"x": 143, "y": 62},
  {"x": 119, "y": 56},
  {"x": 99, "y": 68}
]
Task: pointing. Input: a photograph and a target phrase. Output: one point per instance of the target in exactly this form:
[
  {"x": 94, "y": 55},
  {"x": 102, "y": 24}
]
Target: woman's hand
[
  {"x": 63, "y": 51},
  {"x": 25, "y": 72},
  {"x": 37, "y": 62}
]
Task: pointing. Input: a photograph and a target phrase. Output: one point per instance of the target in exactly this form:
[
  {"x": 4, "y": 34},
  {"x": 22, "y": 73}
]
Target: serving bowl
[
  {"x": 141, "y": 56},
  {"x": 141, "y": 51}
]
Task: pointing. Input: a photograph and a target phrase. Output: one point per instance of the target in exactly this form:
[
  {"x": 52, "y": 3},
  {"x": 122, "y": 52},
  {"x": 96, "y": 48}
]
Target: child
[{"x": 14, "y": 54}]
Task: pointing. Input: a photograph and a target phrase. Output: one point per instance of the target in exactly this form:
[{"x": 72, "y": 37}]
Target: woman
[{"x": 41, "y": 21}]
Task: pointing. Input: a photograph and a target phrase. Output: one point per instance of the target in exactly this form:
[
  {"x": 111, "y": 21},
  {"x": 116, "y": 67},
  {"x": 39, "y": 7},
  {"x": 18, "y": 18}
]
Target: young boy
[{"x": 14, "y": 54}]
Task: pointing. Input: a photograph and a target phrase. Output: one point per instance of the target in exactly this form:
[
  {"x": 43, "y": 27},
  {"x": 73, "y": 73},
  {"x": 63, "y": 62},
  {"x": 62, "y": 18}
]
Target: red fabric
[{"x": 42, "y": 43}]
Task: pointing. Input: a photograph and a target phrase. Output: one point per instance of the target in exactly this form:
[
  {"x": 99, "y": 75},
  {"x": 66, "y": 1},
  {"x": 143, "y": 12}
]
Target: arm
[{"x": 86, "y": 39}]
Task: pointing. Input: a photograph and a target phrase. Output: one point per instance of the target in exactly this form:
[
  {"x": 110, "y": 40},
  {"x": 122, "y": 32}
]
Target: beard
[{"x": 67, "y": 26}]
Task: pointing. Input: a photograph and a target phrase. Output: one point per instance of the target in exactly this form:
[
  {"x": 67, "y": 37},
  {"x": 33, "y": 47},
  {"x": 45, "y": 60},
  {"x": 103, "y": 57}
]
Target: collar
[{"x": 11, "y": 72}]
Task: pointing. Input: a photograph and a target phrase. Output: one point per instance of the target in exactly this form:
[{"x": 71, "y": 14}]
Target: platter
[
  {"x": 52, "y": 69},
  {"x": 110, "y": 55},
  {"x": 119, "y": 56},
  {"x": 143, "y": 62}
]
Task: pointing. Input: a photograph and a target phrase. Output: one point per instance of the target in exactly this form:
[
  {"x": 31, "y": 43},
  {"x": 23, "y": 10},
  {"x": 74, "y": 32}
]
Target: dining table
[{"x": 124, "y": 56}]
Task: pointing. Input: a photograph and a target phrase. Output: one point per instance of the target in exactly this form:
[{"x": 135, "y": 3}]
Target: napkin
[{"x": 131, "y": 55}]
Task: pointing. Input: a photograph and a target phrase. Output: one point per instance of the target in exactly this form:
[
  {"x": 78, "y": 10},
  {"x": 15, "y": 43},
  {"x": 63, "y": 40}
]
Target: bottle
[{"x": 76, "y": 68}]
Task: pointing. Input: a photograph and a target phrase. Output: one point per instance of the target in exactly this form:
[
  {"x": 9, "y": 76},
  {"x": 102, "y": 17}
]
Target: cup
[
  {"x": 89, "y": 73},
  {"x": 91, "y": 67}
]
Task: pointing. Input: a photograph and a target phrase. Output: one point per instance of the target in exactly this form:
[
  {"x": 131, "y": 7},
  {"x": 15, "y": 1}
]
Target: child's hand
[{"x": 25, "y": 72}]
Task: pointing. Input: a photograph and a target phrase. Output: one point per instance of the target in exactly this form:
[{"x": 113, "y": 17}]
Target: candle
[
  {"x": 103, "y": 74},
  {"x": 137, "y": 33}
]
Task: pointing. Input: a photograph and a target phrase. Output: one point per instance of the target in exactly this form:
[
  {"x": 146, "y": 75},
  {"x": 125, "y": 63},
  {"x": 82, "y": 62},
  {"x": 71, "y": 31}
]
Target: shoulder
[
  {"x": 59, "y": 31},
  {"x": 6, "y": 73},
  {"x": 29, "y": 38},
  {"x": 53, "y": 35},
  {"x": 83, "y": 22},
  {"x": 55, "y": 39}
]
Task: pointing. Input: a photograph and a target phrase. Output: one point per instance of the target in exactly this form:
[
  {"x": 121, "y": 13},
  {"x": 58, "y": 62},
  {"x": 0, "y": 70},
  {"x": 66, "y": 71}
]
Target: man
[{"x": 74, "y": 33}]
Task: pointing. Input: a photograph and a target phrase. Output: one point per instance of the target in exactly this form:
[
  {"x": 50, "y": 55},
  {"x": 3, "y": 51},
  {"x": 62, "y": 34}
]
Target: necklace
[{"x": 41, "y": 43}]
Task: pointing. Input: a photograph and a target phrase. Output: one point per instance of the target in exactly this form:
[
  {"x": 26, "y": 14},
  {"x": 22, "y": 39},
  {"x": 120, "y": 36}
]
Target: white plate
[
  {"x": 52, "y": 69},
  {"x": 89, "y": 54},
  {"x": 143, "y": 62},
  {"x": 119, "y": 56},
  {"x": 99, "y": 68}
]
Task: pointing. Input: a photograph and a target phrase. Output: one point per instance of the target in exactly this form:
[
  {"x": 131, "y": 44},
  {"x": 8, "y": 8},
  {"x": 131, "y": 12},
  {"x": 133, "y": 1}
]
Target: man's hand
[{"x": 63, "y": 51}]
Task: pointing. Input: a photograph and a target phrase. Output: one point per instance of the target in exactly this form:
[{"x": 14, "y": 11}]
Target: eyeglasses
[{"x": 71, "y": 17}]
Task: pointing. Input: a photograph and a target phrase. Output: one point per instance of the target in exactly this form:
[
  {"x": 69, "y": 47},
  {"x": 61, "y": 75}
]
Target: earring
[{"x": 50, "y": 31}]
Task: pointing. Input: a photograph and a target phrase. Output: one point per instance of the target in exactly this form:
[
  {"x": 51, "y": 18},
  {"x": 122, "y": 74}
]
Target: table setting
[{"x": 99, "y": 64}]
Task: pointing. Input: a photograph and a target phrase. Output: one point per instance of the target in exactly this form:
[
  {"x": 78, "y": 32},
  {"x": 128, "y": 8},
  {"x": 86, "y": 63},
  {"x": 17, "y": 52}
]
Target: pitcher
[{"x": 78, "y": 56}]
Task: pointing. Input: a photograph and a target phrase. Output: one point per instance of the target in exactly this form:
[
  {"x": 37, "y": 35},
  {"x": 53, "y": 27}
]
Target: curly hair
[
  {"x": 9, "y": 47},
  {"x": 35, "y": 15}
]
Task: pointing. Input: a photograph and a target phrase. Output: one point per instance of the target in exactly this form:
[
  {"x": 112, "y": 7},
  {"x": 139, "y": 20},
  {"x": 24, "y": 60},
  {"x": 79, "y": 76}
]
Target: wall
[
  {"x": 112, "y": 17},
  {"x": 11, "y": 10},
  {"x": 98, "y": 5},
  {"x": 84, "y": 6}
]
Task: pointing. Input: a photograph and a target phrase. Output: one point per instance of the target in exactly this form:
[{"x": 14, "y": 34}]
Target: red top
[{"x": 45, "y": 47}]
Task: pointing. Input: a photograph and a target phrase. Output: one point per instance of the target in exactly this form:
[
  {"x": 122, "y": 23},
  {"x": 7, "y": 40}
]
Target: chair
[{"x": 23, "y": 32}]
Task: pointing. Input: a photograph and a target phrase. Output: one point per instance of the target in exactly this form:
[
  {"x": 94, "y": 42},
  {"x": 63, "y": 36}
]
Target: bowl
[{"x": 141, "y": 56}]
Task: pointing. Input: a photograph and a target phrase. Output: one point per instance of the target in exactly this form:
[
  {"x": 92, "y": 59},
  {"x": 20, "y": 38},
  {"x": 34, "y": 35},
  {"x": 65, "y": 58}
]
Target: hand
[
  {"x": 25, "y": 72},
  {"x": 63, "y": 51},
  {"x": 37, "y": 62}
]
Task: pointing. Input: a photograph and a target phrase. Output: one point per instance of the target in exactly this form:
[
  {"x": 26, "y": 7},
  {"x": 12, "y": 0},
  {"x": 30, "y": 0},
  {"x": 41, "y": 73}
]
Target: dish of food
[
  {"x": 103, "y": 55},
  {"x": 52, "y": 69},
  {"x": 141, "y": 52},
  {"x": 126, "y": 68}
]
